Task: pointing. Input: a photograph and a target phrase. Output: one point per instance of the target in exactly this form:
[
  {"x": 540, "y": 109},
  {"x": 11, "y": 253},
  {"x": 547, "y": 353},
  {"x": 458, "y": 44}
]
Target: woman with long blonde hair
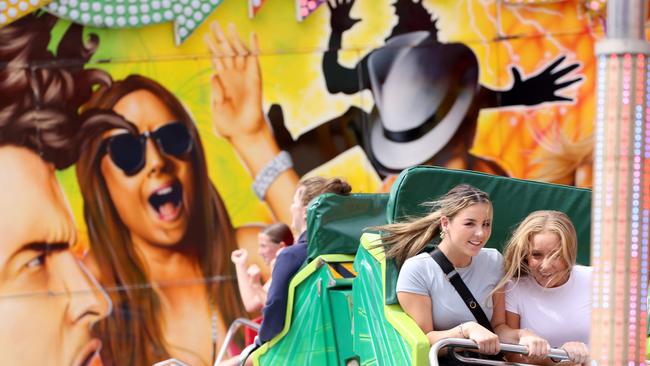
[{"x": 545, "y": 290}]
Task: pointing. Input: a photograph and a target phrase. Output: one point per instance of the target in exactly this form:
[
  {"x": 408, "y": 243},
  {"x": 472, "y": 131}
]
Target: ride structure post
[{"x": 621, "y": 195}]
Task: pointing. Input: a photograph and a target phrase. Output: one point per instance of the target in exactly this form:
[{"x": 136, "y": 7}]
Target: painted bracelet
[{"x": 270, "y": 173}]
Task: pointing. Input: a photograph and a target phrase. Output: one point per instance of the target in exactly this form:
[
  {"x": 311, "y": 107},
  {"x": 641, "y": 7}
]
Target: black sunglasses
[{"x": 128, "y": 150}]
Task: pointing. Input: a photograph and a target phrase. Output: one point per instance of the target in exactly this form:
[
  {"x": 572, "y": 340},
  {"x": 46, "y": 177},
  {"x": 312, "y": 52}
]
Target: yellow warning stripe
[
  {"x": 350, "y": 267},
  {"x": 347, "y": 265}
]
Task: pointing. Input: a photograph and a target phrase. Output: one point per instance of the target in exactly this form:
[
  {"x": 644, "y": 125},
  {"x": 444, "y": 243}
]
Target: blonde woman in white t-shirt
[{"x": 545, "y": 290}]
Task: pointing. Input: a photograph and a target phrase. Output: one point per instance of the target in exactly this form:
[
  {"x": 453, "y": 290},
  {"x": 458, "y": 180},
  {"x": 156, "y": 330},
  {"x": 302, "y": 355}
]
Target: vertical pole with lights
[{"x": 621, "y": 198}]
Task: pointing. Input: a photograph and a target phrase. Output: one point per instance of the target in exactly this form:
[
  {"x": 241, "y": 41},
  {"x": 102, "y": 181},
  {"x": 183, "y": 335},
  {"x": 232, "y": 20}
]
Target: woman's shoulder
[
  {"x": 582, "y": 272},
  {"x": 490, "y": 255},
  {"x": 417, "y": 272},
  {"x": 578, "y": 268},
  {"x": 422, "y": 264},
  {"x": 418, "y": 260}
]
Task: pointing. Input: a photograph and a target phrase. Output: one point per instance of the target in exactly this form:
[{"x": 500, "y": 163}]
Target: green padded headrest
[
  {"x": 335, "y": 223},
  {"x": 513, "y": 199}
]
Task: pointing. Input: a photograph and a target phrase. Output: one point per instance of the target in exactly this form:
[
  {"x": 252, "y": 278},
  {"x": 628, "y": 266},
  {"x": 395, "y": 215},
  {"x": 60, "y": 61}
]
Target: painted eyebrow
[{"x": 41, "y": 247}]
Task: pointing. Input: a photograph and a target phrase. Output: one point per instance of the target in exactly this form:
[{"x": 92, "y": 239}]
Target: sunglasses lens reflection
[
  {"x": 127, "y": 153},
  {"x": 173, "y": 139}
]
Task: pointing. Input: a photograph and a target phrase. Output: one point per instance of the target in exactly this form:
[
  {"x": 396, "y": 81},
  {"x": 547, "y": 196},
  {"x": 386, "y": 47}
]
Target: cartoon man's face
[{"x": 48, "y": 300}]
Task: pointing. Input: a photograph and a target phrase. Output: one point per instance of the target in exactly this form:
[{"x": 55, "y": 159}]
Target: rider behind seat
[{"x": 292, "y": 258}]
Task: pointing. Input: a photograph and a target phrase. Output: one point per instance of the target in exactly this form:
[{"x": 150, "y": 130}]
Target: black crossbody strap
[{"x": 454, "y": 277}]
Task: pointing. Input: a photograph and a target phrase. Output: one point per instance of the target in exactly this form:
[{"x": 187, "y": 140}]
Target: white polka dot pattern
[
  {"x": 11, "y": 10},
  {"x": 186, "y": 14}
]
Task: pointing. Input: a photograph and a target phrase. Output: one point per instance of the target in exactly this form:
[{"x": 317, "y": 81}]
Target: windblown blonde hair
[
  {"x": 519, "y": 246},
  {"x": 407, "y": 239},
  {"x": 561, "y": 159}
]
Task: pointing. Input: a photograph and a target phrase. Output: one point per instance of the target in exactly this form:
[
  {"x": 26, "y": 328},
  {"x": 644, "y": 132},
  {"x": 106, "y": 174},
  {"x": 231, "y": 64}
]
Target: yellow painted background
[{"x": 500, "y": 35}]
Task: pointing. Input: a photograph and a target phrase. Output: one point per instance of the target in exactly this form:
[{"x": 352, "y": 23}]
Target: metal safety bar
[
  {"x": 555, "y": 353},
  {"x": 234, "y": 327}
]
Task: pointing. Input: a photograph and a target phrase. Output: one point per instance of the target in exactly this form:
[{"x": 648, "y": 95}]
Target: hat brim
[{"x": 401, "y": 155}]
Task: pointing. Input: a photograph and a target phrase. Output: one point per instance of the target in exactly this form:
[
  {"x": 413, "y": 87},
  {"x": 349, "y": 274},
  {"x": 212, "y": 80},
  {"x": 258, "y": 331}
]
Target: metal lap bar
[
  {"x": 480, "y": 361},
  {"x": 555, "y": 353},
  {"x": 236, "y": 324}
]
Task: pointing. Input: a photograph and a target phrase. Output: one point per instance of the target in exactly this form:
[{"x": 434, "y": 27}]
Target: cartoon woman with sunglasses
[{"x": 154, "y": 217}]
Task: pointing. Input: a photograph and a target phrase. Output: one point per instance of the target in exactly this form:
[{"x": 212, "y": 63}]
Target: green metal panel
[
  {"x": 383, "y": 335},
  {"x": 307, "y": 341},
  {"x": 513, "y": 199},
  {"x": 340, "y": 309},
  {"x": 312, "y": 333}
]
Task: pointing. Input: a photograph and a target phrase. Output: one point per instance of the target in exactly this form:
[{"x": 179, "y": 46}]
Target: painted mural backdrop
[{"x": 135, "y": 238}]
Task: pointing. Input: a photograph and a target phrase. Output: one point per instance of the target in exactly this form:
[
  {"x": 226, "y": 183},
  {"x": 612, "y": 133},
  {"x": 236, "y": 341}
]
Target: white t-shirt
[
  {"x": 423, "y": 276},
  {"x": 560, "y": 314}
]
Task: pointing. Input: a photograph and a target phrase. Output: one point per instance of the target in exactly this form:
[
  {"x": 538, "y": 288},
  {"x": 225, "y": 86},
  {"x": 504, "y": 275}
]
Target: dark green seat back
[
  {"x": 335, "y": 223},
  {"x": 513, "y": 199}
]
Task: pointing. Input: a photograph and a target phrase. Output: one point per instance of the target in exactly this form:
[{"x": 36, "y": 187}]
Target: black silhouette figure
[{"x": 456, "y": 74}]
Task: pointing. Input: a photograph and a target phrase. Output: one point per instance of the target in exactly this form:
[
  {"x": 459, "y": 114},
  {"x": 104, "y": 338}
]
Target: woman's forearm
[
  {"x": 507, "y": 334},
  {"x": 256, "y": 151},
  {"x": 455, "y": 332},
  {"x": 511, "y": 335},
  {"x": 249, "y": 291}
]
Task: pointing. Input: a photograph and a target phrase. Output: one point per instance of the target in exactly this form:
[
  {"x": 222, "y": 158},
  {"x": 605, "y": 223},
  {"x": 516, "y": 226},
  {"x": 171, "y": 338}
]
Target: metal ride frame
[{"x": 234, "y": 327}]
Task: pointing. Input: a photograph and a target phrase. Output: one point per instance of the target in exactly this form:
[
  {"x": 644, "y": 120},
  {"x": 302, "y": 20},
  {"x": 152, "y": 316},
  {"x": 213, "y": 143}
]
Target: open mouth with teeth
[{"x": 167, "y": 201}]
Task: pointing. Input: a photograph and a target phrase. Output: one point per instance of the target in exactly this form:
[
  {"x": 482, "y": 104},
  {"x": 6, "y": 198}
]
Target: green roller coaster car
[{"x": 343, "y": 308}]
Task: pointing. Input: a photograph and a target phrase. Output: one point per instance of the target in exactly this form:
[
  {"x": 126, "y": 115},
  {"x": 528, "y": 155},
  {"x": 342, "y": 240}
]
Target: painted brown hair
[
  {"x": 133, "y": 333},
  {"x": 41, "y": 91}
]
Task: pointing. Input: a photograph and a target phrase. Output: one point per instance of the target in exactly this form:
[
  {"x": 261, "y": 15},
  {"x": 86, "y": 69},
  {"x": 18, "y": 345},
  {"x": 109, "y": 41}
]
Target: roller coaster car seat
[
  {"x": 384, "y": 334},
  {"x": 318, "y": 321},
  {"x": 512, "y": 199},
  {"x": 335, "y": 223}
]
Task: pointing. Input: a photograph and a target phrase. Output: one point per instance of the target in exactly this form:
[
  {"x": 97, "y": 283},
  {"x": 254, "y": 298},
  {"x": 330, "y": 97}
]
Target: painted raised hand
[
  {"x": 340, "y": 19},
  {"x": 236, "y": 84},
  {"x": 541, "y": 87}
]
